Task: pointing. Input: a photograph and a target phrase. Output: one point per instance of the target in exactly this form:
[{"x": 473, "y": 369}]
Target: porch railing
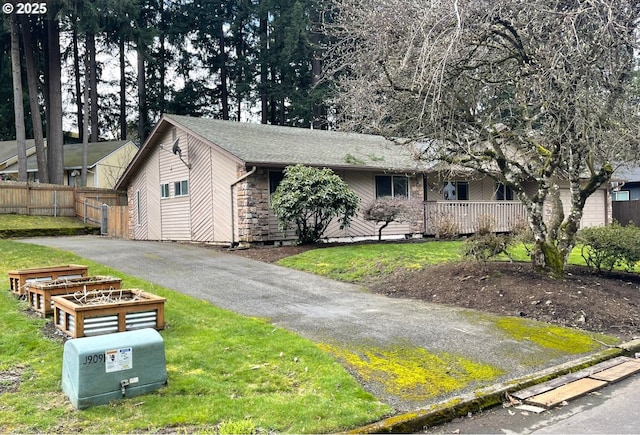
[{"x": 463, "y": 217}]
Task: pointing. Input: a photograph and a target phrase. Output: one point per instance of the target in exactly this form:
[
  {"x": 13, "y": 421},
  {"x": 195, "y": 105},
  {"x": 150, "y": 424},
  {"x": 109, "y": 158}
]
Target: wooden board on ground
[
  {"x": 565, "y": 379},
  {"x": 618, "y": 372},
  {"x": 566, "y": 392}
]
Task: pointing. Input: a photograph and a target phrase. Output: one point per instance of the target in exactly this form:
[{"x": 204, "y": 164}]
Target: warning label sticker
[{"x": 118, "y": 359}]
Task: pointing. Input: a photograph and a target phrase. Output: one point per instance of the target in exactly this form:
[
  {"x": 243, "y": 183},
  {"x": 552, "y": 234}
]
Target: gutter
[{"x": 233, "y": 225}]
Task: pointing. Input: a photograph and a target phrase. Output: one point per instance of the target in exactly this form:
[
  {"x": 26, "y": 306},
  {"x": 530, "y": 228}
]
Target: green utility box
[{"x": 97, "y": 370}]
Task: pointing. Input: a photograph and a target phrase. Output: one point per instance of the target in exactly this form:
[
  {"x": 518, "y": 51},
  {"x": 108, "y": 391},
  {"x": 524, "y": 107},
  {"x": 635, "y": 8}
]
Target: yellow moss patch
[
  {"x": 565, "y": 340},
  {"x": 413, "y": 373}
]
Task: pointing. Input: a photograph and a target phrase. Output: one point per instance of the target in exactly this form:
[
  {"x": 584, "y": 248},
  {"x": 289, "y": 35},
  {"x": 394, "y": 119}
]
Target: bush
[
  {"x": 485, "y": 244},
  {"x": 390, "y": 209},
  {"x": 309, "y": 198},
  {"x": 446, "y": 226},
  {"x": 611, "y": 246}
]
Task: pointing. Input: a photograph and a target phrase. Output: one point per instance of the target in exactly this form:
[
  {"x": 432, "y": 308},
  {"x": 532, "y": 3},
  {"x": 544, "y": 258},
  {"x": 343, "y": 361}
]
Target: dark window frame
[
  {"x": 395, "y": 182},
  {"x": 181, "y": 188},
  {"x": 461, "y": 188},
  {"x": 504, "y": 193}
]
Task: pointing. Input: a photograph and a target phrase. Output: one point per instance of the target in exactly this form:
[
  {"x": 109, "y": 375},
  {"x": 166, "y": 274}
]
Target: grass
[
  {"x": 354, "y": 263},
  {"x": 22, "y": 222},
  {"x": 12, "y": 226},
  {"x": 227, "y": 373}
]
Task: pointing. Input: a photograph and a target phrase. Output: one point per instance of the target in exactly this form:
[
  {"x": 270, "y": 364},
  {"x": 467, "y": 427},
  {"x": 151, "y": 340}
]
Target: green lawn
[
  {"x": 22, "y": 222},
  {"x": 227, "y": 373},
  {"x": 353, "y": 263}
]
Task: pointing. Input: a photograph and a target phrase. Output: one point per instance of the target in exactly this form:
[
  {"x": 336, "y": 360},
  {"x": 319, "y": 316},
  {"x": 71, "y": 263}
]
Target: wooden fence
[
  {"x": 104, "y": 207},
  {"x": 626, "y": 211},
  {"x": 36, "y": 199}
]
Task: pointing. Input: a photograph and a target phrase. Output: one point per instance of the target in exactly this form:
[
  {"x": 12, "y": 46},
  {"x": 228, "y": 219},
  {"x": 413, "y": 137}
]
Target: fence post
[{"x": 104, "y": 220}]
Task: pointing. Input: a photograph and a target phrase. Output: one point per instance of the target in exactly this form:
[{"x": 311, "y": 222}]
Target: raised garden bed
[
  {"x": 99, "y": 312},
  {"x": 39, "y": 293},
  {"x": 18, "y": 279}
]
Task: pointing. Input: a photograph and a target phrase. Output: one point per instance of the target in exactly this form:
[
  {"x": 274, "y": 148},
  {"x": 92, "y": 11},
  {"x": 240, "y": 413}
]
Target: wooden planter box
[
  {"x": 18, "y": 279},
  {"x": 39, "y": 293},
  {"x": 135, "y": 309}
]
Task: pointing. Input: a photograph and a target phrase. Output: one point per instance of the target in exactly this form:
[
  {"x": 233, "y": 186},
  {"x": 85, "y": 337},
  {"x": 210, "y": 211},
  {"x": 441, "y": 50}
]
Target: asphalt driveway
[{"x": 319, "y": 309}]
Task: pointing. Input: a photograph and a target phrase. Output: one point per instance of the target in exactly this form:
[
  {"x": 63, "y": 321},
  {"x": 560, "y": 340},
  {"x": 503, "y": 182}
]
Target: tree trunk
[
  {"x": 264, "y": 71},
  {"x": 142, "y": 99},
  {"x": 123, "y": 91},
  {"x": 36, "y": 119},
  {"x": 18, "y": 106},
  {"x": 85, "y": 132},
  {"x": 55, "y": 138},
  {"x": 76, "y": 71},
  {"x": 93, "y": 86},
  {"x": 224, "y": 86}
]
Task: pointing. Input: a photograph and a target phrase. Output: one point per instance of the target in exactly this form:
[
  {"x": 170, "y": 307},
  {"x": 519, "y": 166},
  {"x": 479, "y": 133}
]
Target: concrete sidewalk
[{"x": 326, "y": 311}]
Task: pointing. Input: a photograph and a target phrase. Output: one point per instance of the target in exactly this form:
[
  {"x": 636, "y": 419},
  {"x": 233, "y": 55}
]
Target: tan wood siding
[
  {"x": 595, "y": 209},
  {"x": 139, "y": 215},
  {"x": 152, "y": 195},
  {"x": 363, "y": 185},
  {"x": 594, "y": 212},
  {"x": 200, "y": 191},
  {"x": 176, "y": 219},
  {"x": 224, "y": 174},
  {"x": 176, "y": 222}
]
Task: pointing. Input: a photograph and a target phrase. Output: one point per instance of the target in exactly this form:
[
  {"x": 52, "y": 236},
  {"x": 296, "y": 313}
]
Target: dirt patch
[
  {"x": 599, "y": 303},
  {"x": 10, "y": 379}
]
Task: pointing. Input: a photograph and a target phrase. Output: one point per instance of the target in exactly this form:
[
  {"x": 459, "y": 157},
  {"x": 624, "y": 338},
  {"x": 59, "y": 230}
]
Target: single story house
[
  {"x": 207, "y": 180},
  {"x": 625, "y": 184},
  {"x": 106, "y": 161},
  {"x": 9, "y": 152}
]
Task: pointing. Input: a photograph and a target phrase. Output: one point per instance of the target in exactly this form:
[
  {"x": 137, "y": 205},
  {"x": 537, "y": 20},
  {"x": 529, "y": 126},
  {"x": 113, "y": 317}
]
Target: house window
[
  {"x": 164, "y": 190},
  {"x": 181, "y": 188},
  {"x": 392, "y": 185},
  {"x": 504, "y": 193},
  {"x": 620, "y": 195},
  {"x": 275, "y": 177},
  {"x": 456, "y": 191},
  {"x": 138, "y": 209}
]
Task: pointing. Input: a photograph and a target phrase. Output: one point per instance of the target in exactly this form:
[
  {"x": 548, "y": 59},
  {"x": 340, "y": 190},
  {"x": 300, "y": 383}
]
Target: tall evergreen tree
[{"x": 17, "y": 99}]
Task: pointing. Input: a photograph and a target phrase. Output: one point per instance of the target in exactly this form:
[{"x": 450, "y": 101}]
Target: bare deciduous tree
[{"x": 532, "y": 93}]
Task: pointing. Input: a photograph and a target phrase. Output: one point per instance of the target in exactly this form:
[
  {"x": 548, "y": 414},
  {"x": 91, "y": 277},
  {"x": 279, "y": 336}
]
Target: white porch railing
[{"x": 463, "y": 216}]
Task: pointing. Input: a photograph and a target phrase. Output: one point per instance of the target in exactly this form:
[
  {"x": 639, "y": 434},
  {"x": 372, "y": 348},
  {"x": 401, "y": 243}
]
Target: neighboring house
[
  {"x": 626, "y": 184},
  {"x": 206, "y": 180},
  {"x": 106, "y": 161},
  {"x": 9, "y": 152}
]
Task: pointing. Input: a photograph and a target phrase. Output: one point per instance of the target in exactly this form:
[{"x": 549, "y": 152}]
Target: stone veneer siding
[
  {"x": 131, "y": 211},
  {"x": 416, "y": 193},
  {"x": 252, "y": 213}
]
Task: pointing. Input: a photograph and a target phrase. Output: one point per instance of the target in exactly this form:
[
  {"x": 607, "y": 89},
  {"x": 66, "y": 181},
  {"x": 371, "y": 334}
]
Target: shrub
[
  {"x": 611, "y": 246},
  {"x": 309, "y": 198},
  {"x": 522, "y": 233},
  {"x": 390, "y": 209},
  {"x": 445, "y": 225},
  {"x": 485, "y": 243}
]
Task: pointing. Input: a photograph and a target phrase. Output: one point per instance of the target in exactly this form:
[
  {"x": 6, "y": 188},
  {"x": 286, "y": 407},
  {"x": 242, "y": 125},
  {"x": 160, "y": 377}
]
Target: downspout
[{"x": 233, "y": 225}]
